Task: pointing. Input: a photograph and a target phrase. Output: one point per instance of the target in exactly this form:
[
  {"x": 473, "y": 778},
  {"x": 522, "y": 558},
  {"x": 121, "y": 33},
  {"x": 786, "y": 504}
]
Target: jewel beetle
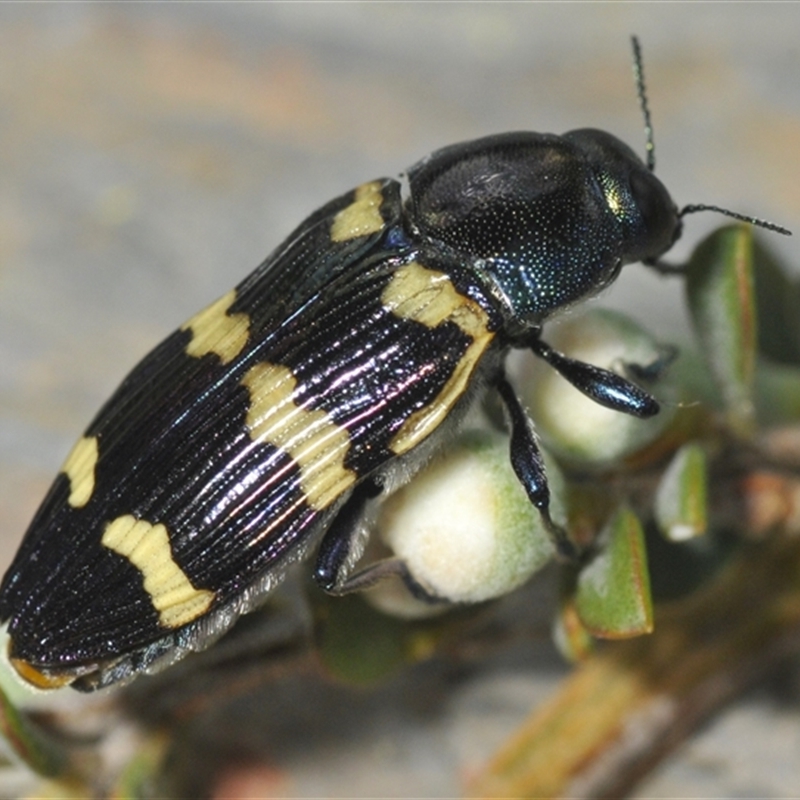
[{"x": 262, "y": 428}]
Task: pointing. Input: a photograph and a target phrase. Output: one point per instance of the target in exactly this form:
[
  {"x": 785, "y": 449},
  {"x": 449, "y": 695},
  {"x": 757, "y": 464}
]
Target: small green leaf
[
  {"x": 613, "y": 593},
  {"x": 571, "y": 638},
  {"x": 721, "y": 296},
  {"x": 680, "y": 503}
]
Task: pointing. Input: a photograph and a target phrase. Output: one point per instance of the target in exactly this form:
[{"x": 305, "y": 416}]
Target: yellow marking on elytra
[
  {"x": 147, "y": 547},
  {"x": 362, "y": 216},
  {"x": 315, "y": 442},
  {"x": 216, "y": 331},
  {"x": 39, "y": 678},
  {"x": 80, "y": 468},
  {"x": 429, "y": 297}
]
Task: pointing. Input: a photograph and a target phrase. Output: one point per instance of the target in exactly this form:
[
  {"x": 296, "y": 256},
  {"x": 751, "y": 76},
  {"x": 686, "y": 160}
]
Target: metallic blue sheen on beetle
[{"x": 261, "y": 429}]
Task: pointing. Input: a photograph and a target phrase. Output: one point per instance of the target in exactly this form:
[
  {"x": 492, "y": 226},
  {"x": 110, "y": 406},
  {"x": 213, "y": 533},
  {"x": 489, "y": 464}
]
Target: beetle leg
[
  {"x": 387, "y": 568},
  {"x": 527, "y": 462},
  {"x": 656, "y": 368},
  {"x": 340, "y": 544},
  {"x": 603, "y": 386},
  {"x": 665, "y": 268}
]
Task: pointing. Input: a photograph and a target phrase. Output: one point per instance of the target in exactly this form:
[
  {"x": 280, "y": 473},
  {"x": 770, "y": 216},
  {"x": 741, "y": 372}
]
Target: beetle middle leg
[
  {"x": 379, "y": 571},
  {"x": 338, "y": 548},
  {"x": 528, "y": 464}
]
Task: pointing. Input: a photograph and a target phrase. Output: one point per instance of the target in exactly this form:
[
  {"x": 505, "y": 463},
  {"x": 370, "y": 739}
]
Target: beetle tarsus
[
  {"x": 665, "y": 267},
  {"x": 651, "y": 372},
  {"x": 388, "y": 568}
]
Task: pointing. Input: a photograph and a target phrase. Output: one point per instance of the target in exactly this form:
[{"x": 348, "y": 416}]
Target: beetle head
[{"x": 648, "y": 218}]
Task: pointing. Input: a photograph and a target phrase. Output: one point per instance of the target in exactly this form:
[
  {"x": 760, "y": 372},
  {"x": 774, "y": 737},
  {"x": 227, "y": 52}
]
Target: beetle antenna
[
  {"x": 638, "y": 76},
  {"x": 650, "y": 149},
  {"x": 761, "y": 223}
]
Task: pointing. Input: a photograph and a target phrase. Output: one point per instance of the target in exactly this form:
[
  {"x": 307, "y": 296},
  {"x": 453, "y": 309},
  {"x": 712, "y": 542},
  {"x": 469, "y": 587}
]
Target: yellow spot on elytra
[
  {"x": 315, "y": 442},
  {"x": 216, "y": 331},
  {"x": 37, "y": 678},
  {"x": 362, "y": 216},
  {"x": 147, "y": 547},
  {"x": 79, "y": 468},
  {"x": 429, "y": 297}
]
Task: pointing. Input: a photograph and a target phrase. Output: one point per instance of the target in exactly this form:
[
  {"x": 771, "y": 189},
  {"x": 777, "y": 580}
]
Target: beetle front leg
[
  {"x": 651, "y": 372},
  {"x": 527, "y": 462}
]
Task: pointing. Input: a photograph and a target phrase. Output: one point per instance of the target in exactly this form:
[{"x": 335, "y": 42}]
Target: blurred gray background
[{"x": 151, "y": 155}]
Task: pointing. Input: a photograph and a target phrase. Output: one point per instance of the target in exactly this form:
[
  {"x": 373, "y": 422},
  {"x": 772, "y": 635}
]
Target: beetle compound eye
[
  {"x": 659, "y": 219},
  {"x": 645, "y": 217}
]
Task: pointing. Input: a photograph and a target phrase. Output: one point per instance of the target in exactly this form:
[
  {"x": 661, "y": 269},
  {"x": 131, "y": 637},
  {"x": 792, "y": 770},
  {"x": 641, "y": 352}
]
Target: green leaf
[
  {"x": 573, "y": 641},
  {"x": 613, "y": 592},
  {"x": 681, "y": 498},
  {"x": 721, "y": 297}
]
